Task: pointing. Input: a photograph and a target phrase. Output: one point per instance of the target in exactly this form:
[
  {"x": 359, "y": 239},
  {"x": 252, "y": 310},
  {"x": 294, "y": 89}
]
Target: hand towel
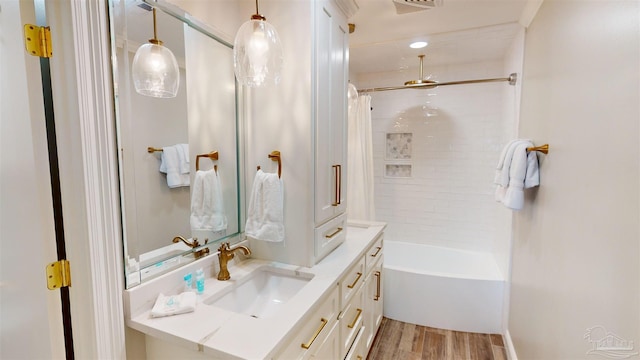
[
  {"x": 265, "y": 216},
  {"x": 174, "y": 305},
  {"x": 183, "y": 158},
  {"x": 523, "y": 173},
  {"x": 504, "y": 165},
  {"x": 501, "y": 160},
  {"x": 175, "y": 163},
  {"x": 207, "y": 205}
]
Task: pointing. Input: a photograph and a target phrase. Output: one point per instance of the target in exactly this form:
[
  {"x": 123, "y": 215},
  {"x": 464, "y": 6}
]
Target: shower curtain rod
[{"x": 511, "y": 79}]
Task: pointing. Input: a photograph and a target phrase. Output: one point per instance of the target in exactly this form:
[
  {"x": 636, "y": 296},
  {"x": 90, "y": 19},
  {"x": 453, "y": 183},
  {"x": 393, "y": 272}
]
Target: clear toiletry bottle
[
  {"x": 200, "y": 281},
  {"x": 188, "y": 282}
]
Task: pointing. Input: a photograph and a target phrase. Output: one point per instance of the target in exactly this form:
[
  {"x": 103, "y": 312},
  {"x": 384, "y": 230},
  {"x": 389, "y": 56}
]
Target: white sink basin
[{"x": 261, "y": 293}]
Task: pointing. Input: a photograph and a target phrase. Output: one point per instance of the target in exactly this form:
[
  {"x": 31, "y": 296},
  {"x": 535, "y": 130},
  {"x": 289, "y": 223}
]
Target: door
[{"x": 30, "y": 315}]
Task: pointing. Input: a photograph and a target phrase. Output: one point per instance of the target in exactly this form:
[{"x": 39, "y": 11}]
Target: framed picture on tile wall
[
  {"x": 397, "y": 170},
  {"x": 399, "y": 146}
]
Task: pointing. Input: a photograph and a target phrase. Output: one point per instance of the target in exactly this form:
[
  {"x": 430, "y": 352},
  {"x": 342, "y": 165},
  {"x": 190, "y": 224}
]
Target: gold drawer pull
[
  {"x": 377, "y": 251},
  {"x": 359, "y": 357},
  {"x": 355, "y": 281},
  {"x": 333, "y": 233},
  {"x": 377, "y": 275},
  {"x": 308, "y": 345},
  {"x": 353, "y": 323}
]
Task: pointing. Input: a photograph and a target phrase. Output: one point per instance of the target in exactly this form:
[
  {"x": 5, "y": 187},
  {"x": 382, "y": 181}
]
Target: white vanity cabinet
[
  {"x": 373, "y": 288},
  {"x": 361, "y": 303},
  {"x": 332, "y": 316},
  {"x": 332, "y": 68}
]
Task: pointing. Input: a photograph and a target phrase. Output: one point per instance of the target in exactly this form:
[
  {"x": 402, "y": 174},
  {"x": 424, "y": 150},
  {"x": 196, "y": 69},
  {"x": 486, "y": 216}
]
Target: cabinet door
[
  {"x": 331, "y": 111},
  {"x": 373, "y": 303}
]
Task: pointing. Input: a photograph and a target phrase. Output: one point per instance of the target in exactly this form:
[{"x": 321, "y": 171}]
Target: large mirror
[{"x": 163, "y": 196}]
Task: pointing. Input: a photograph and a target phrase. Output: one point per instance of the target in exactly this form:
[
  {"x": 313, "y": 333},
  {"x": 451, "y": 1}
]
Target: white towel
[
  {"x": 175, "y": 163},
  {"x": 504, "y": 165},
  {"x": 501, "y": 161},
  {"x": 207, "y": 205},
  {"x": 265, "y": 216},
  {"x": 523, "y": 173},
  {"x": 174, "y": 305}
]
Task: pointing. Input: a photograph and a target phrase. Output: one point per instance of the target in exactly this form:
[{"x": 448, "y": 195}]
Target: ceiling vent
[{"x": 407, "y": 6}]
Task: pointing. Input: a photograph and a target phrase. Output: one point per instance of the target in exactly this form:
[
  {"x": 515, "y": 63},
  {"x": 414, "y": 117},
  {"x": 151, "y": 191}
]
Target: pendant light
[
  {"x": 257, "y": 53},
  {"x": 155, "y": 69}
]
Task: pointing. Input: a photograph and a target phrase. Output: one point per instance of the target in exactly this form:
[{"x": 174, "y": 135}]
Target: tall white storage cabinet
[
  {"x": 305, "y": 118},
  {"x": 331, "y": 112}
]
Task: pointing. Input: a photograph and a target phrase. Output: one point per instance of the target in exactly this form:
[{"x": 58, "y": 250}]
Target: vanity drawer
[
  {"x": 351, "y": 282},
  {"x": 350, "y": 321},
  {"x": 308, "y": 339},
  {"x": 329, "y": 235},
  {"x": 374, "y": 253}
]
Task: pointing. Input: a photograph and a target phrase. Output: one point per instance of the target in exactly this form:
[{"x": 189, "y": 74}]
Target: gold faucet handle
[{"x": 224, "y": 247}]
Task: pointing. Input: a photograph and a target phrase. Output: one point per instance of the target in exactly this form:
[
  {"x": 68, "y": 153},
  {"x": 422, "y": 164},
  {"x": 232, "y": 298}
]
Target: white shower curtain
[{"x": 360, "y": 201}]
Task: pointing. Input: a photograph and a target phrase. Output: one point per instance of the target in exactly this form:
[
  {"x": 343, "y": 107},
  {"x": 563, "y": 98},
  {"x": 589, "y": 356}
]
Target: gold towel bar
[
  {"x": 152, "y": 149},
  {"x": 275, "y": 156},
  {"x": 542, "y": 148},
  {"x": 212, "y": 155}
]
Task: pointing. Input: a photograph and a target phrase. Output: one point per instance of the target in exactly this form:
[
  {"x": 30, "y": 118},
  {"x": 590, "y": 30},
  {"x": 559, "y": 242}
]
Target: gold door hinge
[
  {"x": 58, "y": 274},
  {"x": 37, "y": 40}
]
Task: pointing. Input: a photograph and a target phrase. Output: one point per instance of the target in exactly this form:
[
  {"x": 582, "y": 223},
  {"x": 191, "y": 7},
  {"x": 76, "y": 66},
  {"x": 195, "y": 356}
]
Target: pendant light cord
[{"x": 155, "y": 28}]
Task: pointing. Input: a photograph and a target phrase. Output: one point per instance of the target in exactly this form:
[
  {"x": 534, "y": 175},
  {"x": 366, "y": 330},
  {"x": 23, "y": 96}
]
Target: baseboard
[{"x": 511, "y": 351}]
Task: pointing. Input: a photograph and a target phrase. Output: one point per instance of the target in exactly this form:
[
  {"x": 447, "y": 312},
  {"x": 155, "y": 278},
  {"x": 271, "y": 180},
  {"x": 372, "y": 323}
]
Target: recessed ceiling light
[{"x": 418, "y": 44}]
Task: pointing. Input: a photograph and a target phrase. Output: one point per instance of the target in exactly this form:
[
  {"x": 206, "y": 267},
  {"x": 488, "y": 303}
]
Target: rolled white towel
[{"x": 174, "y": 305}]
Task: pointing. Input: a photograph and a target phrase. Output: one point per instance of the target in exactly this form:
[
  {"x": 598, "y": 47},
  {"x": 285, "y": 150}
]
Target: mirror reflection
[{"x": 179, "y": 156}]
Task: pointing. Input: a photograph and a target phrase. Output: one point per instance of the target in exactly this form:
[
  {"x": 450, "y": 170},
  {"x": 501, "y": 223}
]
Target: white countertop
[{"x": 221, "y": 333}]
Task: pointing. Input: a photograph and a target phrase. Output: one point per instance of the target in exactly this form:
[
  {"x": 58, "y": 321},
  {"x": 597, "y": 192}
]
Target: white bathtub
[{"x": 442, "y": 287}]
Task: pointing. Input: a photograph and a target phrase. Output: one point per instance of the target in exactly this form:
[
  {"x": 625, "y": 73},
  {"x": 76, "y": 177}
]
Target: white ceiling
[{"x": 461, "y": 31}]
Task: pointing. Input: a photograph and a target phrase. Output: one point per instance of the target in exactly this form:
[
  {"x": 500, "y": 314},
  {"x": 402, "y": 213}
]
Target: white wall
[
  {"x": 280, "y": 118},
  {"x": 449, "y": 199},
  {"x": 502, "y": 243},
  {"x": 576, "y": 248}
]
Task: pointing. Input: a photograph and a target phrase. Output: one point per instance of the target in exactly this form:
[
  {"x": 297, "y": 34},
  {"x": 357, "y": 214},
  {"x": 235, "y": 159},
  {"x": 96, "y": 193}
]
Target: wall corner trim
[
  {"x": 529, "y": 12},
  {"x": 511, "y": 351}
]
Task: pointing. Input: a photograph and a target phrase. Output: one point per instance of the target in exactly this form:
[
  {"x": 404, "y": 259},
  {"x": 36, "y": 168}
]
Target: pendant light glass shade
[
  {"x": 155, "y": 69},
  {"x": 257, "y": 53}
]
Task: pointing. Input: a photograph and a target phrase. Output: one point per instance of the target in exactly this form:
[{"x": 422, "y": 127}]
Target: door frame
[{"x": 87, "y": 150}]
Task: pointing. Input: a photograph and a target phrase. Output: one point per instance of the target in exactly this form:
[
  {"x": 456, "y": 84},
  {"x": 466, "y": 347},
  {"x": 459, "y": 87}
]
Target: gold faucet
[
  {"x": 225, "y": 254},
  {"x": 198, "y": 254}
]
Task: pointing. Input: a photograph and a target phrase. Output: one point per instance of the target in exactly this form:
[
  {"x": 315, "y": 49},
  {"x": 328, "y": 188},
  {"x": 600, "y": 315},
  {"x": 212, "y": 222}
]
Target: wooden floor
[{"x": 401, "y": 341}]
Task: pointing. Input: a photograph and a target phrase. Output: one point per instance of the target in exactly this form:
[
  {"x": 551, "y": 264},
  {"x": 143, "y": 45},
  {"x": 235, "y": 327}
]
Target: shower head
[{"x": 421, "y": 83}]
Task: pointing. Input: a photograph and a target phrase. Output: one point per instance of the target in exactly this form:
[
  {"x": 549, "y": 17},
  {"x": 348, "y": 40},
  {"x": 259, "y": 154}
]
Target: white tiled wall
[{"x": 448, "y": 201}]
